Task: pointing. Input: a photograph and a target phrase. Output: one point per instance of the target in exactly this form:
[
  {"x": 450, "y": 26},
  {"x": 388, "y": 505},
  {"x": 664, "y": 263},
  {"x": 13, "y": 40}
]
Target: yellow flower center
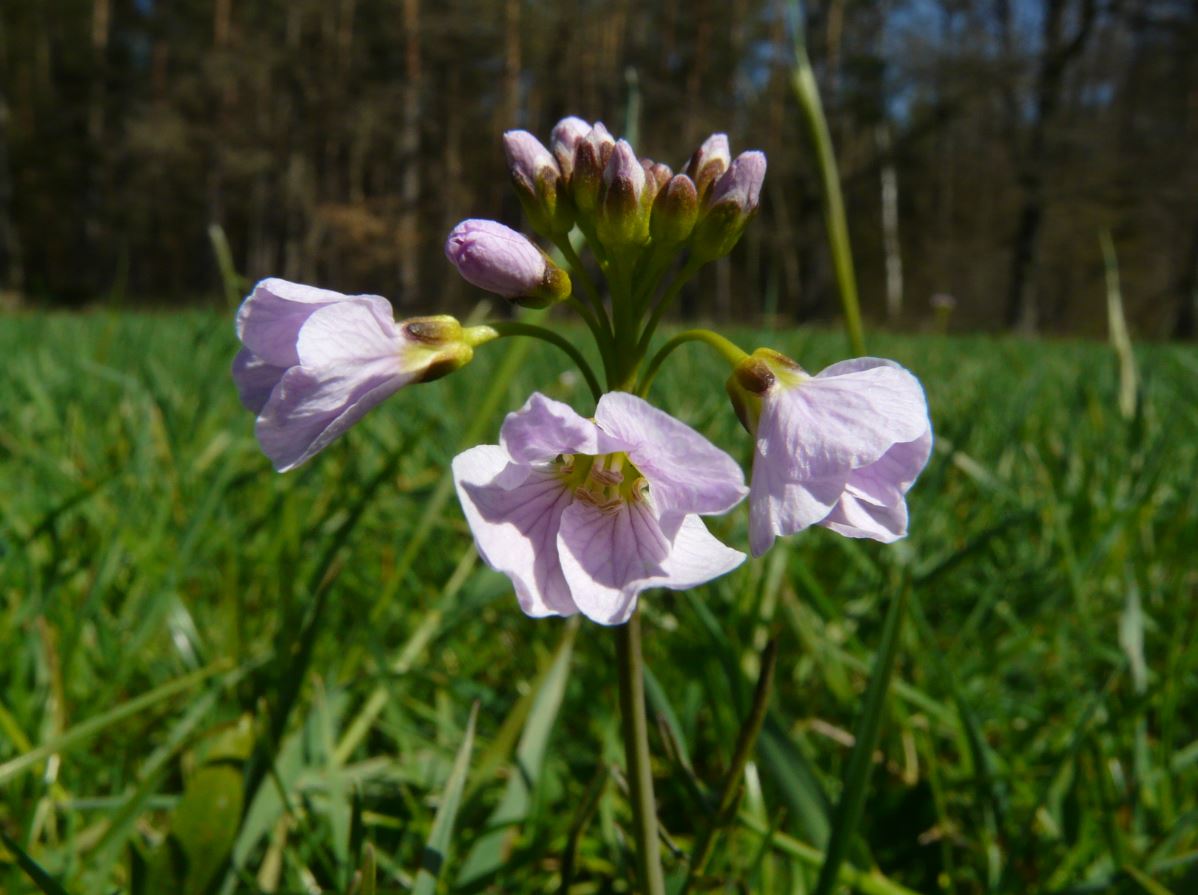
[{"x": 606, "y": 480}]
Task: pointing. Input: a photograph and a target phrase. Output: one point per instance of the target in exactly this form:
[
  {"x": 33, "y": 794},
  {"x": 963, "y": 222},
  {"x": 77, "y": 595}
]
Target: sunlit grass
[{"x": 158, "y": 584}]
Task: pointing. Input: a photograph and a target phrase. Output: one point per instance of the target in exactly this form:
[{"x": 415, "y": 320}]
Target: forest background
[{"x": 983, "y": 144}]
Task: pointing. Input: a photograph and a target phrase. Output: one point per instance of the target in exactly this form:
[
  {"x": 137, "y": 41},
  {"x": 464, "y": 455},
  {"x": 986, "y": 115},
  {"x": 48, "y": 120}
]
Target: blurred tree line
[{"x": 983, "y": 144}]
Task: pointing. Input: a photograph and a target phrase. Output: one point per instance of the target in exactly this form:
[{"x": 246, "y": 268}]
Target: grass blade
[
  {"x": 490, "y": 851},
  {"x": 436, "y": 849},
  {"x": 852, "y": 797},
  {"x": 89, "y": 728},
  {"x": 32, "y": 868}
]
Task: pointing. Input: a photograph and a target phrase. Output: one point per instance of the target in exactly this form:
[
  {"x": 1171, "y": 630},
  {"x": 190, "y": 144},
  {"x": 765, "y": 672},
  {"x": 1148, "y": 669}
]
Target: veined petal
[
  {"x": 696, "y": 557},
  {"x": 255, "y": 379},
  {"x": 346, "y": 333},
  {"x": 844, "y": 418},
  {"x": 270, "y": 318},
  {"x": 685, "y": 471},
  {"x": 312, "y": 406},
  {"x": 778, "y": 506},
  {"x": 514, "y": 512},
  {"x": 887, "y": 481},
  {"x": 544, "y": 428},
  {"x": 608, "y": 555}
]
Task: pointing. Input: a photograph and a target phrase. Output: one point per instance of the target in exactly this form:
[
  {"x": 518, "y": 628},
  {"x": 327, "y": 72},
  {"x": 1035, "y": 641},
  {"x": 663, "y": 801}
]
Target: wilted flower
[
  {"x": 500, "y": 260},
  {"x": 840, "y": 448},
  {"x": 316, "y": 361},
  {"x": 583, "y": 515}
]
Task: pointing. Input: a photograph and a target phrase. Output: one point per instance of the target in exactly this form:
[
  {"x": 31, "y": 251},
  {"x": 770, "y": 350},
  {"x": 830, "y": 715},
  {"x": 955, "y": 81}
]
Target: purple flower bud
[
  {"x": 733, "y": 200},
  {"x": 741, "y": 183},
  {"x": 498, "y": 259},
  {"x": 709, "y": 162},
  {"x": 674, "y": 211},
  {"x": 624, "y": 171},
  {"x": 591, "y": 155},
  {"x": 659, "y": 172},
  {"x": 528, "y": 158},
  {"x": 538, "y": 182},
  {"x": 564, "y": 141},
  {"x": 624, "y": 199}
]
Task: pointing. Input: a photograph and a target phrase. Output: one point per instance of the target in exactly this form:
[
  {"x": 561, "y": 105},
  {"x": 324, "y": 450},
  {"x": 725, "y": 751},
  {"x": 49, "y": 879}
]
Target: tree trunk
[
  {"x": 1022, "y": 302},
  {"x": 12, "y": 272},
  {"x": 1185, "y": 323},
  {"x": 890, "y": 228},
  {"x": 409, "y": 158}
]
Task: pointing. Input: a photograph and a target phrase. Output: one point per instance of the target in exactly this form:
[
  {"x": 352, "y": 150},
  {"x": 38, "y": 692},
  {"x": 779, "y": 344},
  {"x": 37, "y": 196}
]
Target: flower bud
[
  {"x": 438, "y": 342},
  {"x": 709, "y": 162},
  {"x": 674, "y": 211},
  {"x": 498, "y": 259},
  {"x": 625, "y": 199},
  {"x": 538, "y": 182},
  {"x": 754, "y": 377},
  {"x": 658, "y": 172},
  {"x": 564, "y": 141},
  {"x": 591, "y": 155},
  {"x": 733, "y": 200}
]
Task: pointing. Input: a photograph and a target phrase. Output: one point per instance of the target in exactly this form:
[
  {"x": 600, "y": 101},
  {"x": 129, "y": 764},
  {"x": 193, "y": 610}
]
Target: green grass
[{"x": 200, "y": 658}]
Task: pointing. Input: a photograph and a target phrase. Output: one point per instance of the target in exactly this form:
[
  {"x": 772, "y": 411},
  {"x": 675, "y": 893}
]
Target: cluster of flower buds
[{"x": 621, "y": 203}]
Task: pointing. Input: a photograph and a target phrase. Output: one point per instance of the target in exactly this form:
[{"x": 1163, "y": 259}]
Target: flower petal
[
  {"x": 514, "y": 512},
  {"x": 544, "y": 428},
  {"x": 885, "y": 482},
  {"x": 686, "y": 472},
  {"x": 778, "y": 506},
  {"x": 609, "y": 555},
  {"x": 346, "y": 333},
  {"x": 311, "y": 407},
  {"x": 855, "y": 518},
  {"x": 844, "y": 418},
  {"x": 696, "y": 557},
  {"x": 255, "y": 379},
  {"x": 269, "y": 320}
]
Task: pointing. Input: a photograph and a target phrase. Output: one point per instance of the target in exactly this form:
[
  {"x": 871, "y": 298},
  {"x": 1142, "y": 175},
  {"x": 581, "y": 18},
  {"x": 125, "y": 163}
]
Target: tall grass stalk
[
  {"x": 815, "y": 124},
  {"x": 1117, "y": 327}
]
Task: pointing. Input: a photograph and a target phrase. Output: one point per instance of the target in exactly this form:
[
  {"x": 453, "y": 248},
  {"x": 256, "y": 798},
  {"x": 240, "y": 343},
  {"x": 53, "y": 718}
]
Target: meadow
[{"x": 217, "y": 679}]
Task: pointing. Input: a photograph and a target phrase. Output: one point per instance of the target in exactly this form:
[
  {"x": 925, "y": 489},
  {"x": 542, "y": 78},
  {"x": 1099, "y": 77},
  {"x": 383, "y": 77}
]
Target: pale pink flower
[
  {"x": 838, "y": 449},
  {"x": 582, "y": 515},
  {"x": 316, "y": 361}
]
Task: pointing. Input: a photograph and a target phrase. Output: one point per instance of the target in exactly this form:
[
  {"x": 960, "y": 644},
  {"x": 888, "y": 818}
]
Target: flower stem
[
  {"x": 636, "y": 751},
  {"x": 501, "y": 328},
  {"x": 664, "y": 303},
  {"x": 728, "y": 350},
  {"x": 579, "y": 273}
]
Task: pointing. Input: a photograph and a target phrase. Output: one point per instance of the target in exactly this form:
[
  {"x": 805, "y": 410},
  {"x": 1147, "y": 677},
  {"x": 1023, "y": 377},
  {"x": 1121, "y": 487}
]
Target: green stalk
[
  {"x": 664, "y": 303},
  {"x": 636, "y": 752},
  {"x": 816, "y": 124},
  {"x": 578, "y": 274},
  {"x": 856, "y": 779},
  {"x": 502, "y": 328},
  {"x": 705, "y": 844},
  {"x": 727, "y": 349}
]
